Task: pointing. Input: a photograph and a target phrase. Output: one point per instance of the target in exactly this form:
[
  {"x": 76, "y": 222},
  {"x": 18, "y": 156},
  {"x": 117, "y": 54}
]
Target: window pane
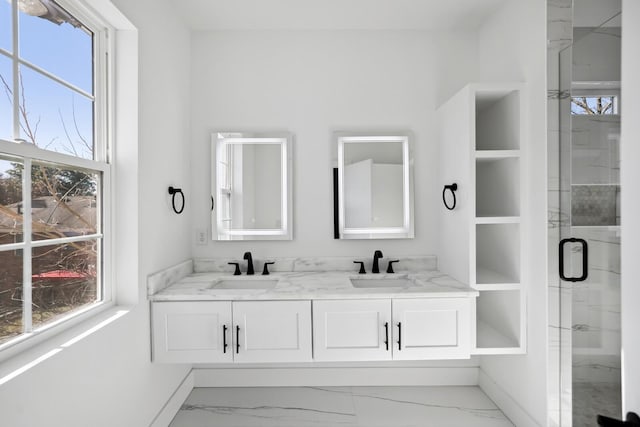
[
  {"x": 55, "y": 41},
  {"x": 57, "y": 118},
  {"x": 64, "y": 279},
  {"x": 594, "y": 105},
  {"x": 10, "y": 294},
  {"x": 6, "y": 98},
  {"x": 63, "y": 202},
  {"x": 5, "y": 25},
  {"x": 10, "y": 201}
]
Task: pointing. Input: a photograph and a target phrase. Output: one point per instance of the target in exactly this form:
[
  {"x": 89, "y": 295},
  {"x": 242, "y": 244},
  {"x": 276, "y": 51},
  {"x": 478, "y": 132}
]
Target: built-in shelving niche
[
  {"x": 497, "y": 254},
  {"x": 497, "y": 187},
  {"x": 484, "y": 151},
  {"x": 499, "y": 322},
  {"x": 497, "y": 119}
]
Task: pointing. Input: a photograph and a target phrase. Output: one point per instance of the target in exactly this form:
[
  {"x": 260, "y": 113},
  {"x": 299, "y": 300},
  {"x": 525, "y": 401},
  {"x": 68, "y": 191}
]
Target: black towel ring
[
  {"x": 453, "y": 188},
  {"x": 173, "y": 192}
]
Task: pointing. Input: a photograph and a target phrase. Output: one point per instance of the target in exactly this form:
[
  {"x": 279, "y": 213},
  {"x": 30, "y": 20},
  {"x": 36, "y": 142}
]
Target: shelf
[
  {"x": 597, "y": 227},
  {"x": 497, "y": 220},
  {"x": 498, "y": 322},
  {"x": 497, "y": 253},
  {"x": 485, "y": 276},
  {"x": 497, "y": 287},
  {"x": 498, "y": 187},
  {"x": 498, "y": 120},
  {"x": 490, "y": 341},
  {"x": 484, "y": 155}
]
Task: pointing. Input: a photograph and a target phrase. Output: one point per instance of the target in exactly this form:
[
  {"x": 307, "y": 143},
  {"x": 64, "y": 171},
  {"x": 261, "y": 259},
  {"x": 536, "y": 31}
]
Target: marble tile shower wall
[
  {"x": 595, "y": 170},
  {"x": 596, "y": 310}
]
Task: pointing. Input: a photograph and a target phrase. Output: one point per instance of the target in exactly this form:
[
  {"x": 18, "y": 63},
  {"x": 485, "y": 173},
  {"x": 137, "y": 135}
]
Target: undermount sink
[
  {"x": 381, "y": 283},
  {"x": 245, "y": 284}
]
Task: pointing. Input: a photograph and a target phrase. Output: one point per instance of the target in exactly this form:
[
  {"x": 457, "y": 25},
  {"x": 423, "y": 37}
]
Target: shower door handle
[{"x": 585, "y": 259}]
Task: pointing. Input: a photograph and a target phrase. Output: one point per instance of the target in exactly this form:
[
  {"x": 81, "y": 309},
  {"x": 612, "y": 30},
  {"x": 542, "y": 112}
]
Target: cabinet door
[
  {"x": 433, "y": 328},
  {"x": 191, "y": 332},
  {"x": 272, "y": 331},
  {"x": 352, "y": 330}
]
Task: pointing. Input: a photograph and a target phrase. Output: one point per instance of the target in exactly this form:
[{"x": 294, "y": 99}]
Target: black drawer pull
[
  {"x": 399, "y": 336},
  {"x": 237, "y": 339},
  {"x": 224, "y": 338},
  {"x": 386, "y": 335}
]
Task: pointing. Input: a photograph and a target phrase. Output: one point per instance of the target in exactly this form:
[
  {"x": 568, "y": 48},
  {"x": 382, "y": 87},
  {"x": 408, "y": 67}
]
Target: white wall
[
  {"x": 107, "y": 378},
  {"x": 312, "y": 83},
  {"x": 512, "y": 47},
  {"x": 630, "y": 176}
]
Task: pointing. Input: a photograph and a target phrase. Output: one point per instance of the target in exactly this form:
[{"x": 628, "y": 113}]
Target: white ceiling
[{"x": 335, "y": 14}]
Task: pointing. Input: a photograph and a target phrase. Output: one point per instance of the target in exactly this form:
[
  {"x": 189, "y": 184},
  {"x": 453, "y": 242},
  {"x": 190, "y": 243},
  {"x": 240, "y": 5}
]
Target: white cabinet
[
  {"x": 399, "y": 329},
  {"x": 272, "y": 331},
  {"x": 224, "y": 331},
  {"x": 191, "y": 332},
  {"x": 434, "y": 328},
  {"x": 352, "y": 330}
]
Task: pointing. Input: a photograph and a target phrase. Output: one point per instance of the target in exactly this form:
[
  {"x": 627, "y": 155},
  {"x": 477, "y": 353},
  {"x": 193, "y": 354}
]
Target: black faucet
[
  {"x": 247, "y": 256},
  {"x": 376, "y": 256}
]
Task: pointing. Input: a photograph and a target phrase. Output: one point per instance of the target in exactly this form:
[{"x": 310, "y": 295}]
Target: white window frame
[{"x": 102, "y": 164}]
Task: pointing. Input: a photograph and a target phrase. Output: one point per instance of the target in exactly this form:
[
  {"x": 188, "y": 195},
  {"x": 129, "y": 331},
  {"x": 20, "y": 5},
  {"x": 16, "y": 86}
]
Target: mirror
[
  {"x": 251, "y": 175},
  {"x": 374, "y": 187}
]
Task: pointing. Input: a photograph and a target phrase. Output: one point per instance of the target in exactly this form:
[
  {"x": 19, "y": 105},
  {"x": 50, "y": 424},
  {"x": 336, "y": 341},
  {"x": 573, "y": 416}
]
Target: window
[
  {"x": 594, "y": 105},
  {"x": 54, "y": 168}
]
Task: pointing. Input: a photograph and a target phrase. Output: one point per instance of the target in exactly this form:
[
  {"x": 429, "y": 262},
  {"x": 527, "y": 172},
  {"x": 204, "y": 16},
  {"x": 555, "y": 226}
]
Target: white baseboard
[
  {"x": 511, "y": 409},
  {"x": 353, "y": 376},
  {"x": 171, "y": 408}
]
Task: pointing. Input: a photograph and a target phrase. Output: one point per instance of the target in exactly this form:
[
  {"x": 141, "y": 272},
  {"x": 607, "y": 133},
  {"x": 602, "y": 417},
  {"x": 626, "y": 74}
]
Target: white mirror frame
[
  {"x": 407, "y": 229},
  {"x": 218, "y": 140}
]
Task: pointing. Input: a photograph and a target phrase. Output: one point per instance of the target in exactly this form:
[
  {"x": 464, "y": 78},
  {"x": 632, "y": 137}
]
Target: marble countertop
[{"x": 312, "y": 285}]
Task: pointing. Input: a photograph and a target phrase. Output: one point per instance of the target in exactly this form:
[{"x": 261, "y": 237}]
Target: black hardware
[
  {"x": 265, "y": 269},
  {"x": 386, "y": 335},
  {"x": 453, "y": 188},
  {"x": 362, "y": 270},
  {"x": 224, "y": 338},
  {"x": 237, "y": 271},
  {"x": 399, "y": 336},
  {"x": 249, "y": 258},
  {"x": 336, "y": 205},
  {"x": 173, "y": 191},
  {"x": 376, "y": 256},
  {"x": 237, "y": 339},
  {"x": 632, "y": 420},
  {"x": 585, "y": 259},
  {"x": 212, "y": 203},
  {"x": 390, "y": 266}
]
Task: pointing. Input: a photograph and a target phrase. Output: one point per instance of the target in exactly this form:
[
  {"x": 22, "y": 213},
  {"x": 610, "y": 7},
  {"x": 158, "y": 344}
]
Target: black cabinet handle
[
  {"x": 585, "y": 260},
  {"x": 237, "y": 339},
  {"x": 386, "y": 335},
  {"x": 399, "y": 336},
  {"x": 224, "y": 338}
]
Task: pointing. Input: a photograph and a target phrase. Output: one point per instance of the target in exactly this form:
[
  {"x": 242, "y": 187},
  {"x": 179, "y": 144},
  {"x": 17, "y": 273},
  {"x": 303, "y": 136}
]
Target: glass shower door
[{"x": 589, "y": 252}]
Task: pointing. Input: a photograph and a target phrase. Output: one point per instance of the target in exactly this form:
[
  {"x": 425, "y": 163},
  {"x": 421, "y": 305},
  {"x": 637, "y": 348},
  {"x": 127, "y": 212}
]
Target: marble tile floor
[
  {"x": 591, "y": 399},
  {"x": 339, "y": 406}
]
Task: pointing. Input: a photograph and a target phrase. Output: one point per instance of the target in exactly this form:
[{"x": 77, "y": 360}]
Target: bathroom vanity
[{"x": 312, "y": 316}]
